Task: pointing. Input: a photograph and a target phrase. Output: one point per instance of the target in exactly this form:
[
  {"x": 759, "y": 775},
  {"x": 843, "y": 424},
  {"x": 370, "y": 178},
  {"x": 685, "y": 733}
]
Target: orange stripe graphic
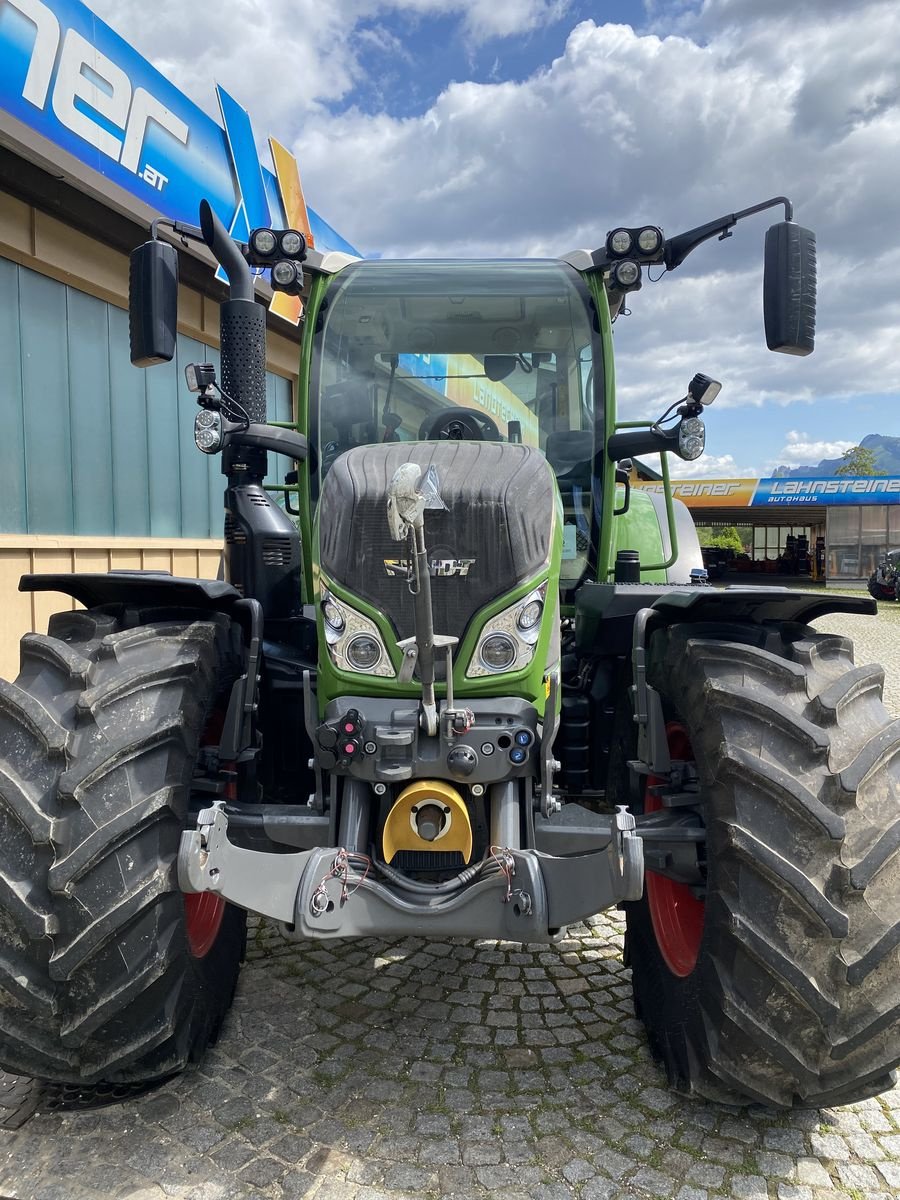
[{"x": 287, "y": 174}]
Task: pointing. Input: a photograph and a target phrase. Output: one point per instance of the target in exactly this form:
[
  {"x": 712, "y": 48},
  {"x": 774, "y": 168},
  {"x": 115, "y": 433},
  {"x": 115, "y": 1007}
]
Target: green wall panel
[
  {"x": 13, "y": 506},
  {"x": 89, "y": 413},
  {"x": 45, "y": 401},
  {"x": 90, "y": 444},
  {"x": 128, "y": 421}
]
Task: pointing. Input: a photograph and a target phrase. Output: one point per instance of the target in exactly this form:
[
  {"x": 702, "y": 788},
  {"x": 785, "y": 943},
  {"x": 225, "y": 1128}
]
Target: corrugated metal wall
[{"x": 89, "y": 445}]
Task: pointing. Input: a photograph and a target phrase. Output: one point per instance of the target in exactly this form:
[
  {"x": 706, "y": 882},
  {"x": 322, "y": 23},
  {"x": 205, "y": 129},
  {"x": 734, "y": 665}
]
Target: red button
[
  {"x": 349, "y": 748},
  {"x": 349, "y": 727}
]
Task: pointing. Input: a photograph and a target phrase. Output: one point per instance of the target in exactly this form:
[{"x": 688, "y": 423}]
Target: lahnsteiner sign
[
  {"x": 70, "y": 78},
  {"x": 793, "y": 493}
]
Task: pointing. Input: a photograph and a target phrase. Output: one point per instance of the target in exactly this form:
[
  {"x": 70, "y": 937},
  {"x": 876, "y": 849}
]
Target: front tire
[
  {"x": 104, "y": 975},
  {"x": 794, "y": 994}
]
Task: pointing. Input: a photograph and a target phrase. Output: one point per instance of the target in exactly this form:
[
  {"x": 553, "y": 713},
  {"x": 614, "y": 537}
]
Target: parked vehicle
[{"x": 884, "y": 582}]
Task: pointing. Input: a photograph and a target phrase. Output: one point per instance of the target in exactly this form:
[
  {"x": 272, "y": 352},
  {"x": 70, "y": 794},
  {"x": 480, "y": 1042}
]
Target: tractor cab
[{"x": 495, "y": 352}]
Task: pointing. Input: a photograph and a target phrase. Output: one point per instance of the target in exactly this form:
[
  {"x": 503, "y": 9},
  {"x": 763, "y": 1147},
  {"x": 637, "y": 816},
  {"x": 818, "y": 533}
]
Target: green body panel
[
  {"x": 607, "y": 555},
  {"x": 638, "y": 529},
  {"x": 310, "y": 556},
  {"x": 527, "y": 684}
]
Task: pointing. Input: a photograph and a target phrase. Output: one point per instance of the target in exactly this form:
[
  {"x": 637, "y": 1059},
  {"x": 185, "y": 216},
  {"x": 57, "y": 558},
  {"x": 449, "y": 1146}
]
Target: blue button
[
  {"x": 523, "y": 737},
  {"x": 517, "y": 756}
]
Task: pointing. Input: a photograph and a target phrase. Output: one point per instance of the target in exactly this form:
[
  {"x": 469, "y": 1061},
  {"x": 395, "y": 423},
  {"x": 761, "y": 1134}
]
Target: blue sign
[
  {"x": 431, "y": 368},
  {"x": 67, "y": 75},
  {"x": 884, "y": 489}
]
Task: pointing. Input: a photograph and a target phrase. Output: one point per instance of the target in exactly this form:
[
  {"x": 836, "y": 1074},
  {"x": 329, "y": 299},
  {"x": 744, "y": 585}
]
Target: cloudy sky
[{"x": 532, "y": 127}]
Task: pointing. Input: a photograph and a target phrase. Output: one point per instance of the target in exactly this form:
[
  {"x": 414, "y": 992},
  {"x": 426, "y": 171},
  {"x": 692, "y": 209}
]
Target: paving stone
[
  {"x": 858, "y": 1175},
  {"x": 749, "y": 1187},
  {"x": 811, "y": 1171},
  {"x": 791, "y": 1191},
  {"x": 891, "y": 1172},
  {"x": 579, "y": 1171},
  {"x": 655, "y": 1183}
]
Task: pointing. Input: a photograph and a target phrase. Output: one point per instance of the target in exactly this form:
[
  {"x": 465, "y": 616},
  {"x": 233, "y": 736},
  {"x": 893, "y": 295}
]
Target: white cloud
[
  {"x": 802, "y": 451},
  {"x": 286, "y": 60},
  {"x": 710, "y": 466},
  {"x": 746, "y": 99}
]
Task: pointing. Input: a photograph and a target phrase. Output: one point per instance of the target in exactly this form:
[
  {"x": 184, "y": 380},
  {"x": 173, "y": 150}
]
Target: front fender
[{"x": 147, "y": 589}]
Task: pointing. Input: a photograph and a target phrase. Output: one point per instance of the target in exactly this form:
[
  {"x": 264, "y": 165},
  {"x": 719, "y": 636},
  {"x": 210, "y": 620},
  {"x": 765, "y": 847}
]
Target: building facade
[
  {"x": 97, "y": 464},
  {"x": 852, "y": 521}
]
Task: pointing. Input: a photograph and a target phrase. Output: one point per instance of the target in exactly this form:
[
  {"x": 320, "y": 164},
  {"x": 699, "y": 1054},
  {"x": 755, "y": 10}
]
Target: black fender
[
  {"x": 605, "y": 613},
  {"x": 147, "y": 589},
  {"x": 617, "y": 619},
  {"x": 160, "y": 590}
]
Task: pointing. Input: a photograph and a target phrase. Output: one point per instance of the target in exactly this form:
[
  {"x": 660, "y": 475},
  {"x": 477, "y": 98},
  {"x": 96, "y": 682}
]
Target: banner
[
  {"x": 763, "y": 493},
  {"x": 67, "y": 76}
]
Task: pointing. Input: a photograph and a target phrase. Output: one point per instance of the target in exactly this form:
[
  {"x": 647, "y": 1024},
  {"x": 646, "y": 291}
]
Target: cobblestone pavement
[{"x": 367, "y": 1070}]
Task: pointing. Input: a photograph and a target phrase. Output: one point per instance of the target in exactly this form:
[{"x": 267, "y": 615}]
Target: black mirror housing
[
  {"x": 153, "y": 303},
  {"x": 789, "y": 289}
]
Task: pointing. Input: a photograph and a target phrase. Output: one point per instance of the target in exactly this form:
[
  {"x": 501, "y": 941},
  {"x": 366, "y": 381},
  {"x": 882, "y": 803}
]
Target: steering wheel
[{"x": 459, "y": 424}]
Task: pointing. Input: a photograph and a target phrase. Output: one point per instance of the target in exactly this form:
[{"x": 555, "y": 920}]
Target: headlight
[
  {"x": 626, "y": 274},
  {"x": 208, "y": 434},
  {"x": 363, "y": 652},
  {"x": 287, "y": 276},
  {"x": 691, "y": 438},
  {"x": 619, "y": 241},
  {"x": 354, "y": 642},
  {"x": 649, "y": 240},
  {"x": 498, "y": 652},
  {"x": 263, "y": 242},
  {"x": 332, "y": 615},
  {"x": 508, "y": 640},
  {"x": 529, "y": 614},
  {"x": 293, "y": 244}
]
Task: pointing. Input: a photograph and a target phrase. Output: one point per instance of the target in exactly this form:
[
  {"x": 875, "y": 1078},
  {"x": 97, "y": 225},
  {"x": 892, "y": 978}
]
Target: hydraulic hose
[{"x": 435, "y": 889}]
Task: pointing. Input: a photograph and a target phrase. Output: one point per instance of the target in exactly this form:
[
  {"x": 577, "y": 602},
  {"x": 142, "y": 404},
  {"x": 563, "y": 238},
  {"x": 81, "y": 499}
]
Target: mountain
[{"x": 887, "y": 459}]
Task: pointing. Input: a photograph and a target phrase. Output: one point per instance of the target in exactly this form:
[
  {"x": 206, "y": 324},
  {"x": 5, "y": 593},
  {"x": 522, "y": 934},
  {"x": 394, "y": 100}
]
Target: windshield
[{"x": 408, "y": 351}]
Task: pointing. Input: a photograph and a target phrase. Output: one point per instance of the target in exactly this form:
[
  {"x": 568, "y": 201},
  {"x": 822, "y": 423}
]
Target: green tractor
[{"x": 473, "y": 685}]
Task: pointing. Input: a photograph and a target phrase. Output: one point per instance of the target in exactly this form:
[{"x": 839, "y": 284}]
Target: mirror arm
[
  {"x": 185, "y": 232},
  {"x": 677, "y": 248}
]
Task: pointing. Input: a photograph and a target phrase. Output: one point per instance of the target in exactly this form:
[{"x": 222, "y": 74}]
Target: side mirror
[
  {"x": 789, "y": 288},
  {"x": 153, "y": 303}
]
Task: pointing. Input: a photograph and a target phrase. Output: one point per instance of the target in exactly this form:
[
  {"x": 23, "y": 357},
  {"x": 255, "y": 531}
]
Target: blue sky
[
  {"x": 532, "y": 127},
  {"x": 438, "y": 50}
]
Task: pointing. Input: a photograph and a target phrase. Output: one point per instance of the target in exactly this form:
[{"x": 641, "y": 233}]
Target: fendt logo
[
  {"x": 439, "y": 568},
  {"x": 91, "y": 95}
]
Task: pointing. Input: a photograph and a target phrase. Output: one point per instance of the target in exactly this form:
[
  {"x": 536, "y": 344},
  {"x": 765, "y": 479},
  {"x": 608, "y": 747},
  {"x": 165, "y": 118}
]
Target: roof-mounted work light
[{"x": 266, "y": 246}]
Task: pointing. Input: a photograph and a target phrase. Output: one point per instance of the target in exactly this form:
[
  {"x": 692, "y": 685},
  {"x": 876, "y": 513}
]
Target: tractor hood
[{"x": 495, "y": 531}]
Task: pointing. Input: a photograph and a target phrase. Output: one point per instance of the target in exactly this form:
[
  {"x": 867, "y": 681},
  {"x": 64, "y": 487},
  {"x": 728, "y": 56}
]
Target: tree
[
  {"x": 726, "y": 539},
  {"x": 858, "y": 461}
]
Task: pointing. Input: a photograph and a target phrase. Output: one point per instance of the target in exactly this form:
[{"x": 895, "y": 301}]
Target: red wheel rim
[
  {"x": 676, "y": 913},
  {"x": 203, "y": 918}
]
